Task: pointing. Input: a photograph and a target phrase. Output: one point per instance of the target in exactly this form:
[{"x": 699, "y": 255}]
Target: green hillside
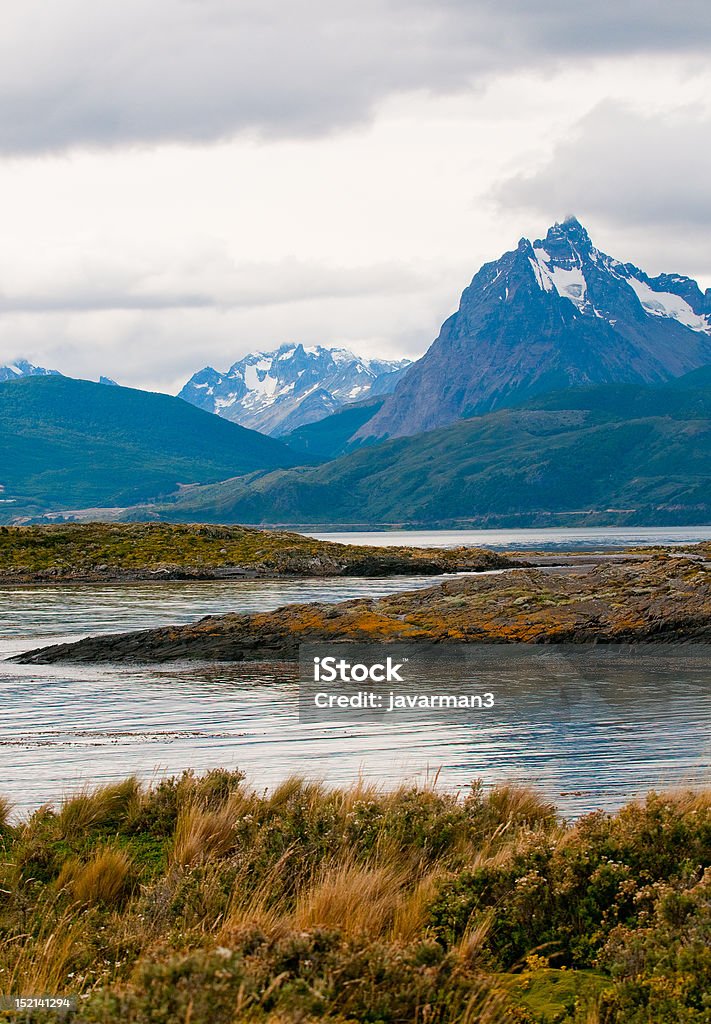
[
  {"x": 642, "y": 449},
  {"x": 330, "y": 437},
  {"x": 68, "y": 443}
]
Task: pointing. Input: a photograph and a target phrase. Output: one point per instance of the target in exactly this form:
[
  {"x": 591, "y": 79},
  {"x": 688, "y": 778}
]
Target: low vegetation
[
  {"x": 103, "y": 551},
  {"x": 198, "y": 900}
]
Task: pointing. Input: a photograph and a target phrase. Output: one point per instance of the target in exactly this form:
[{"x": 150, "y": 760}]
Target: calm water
[
  {"x": 62, "y": 727},
  {"x": 560, "y": 538}
]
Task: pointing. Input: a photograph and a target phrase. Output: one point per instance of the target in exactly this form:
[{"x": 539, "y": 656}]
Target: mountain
[
  {"x": 550, "y": 314},
  {"x": 330, "y": 437},
  {"x": 13, "y": 371},
  {"x": 604, "y": 454},
  {"x": 68, "y": 443},
  {"x": 276, "y": 392}
]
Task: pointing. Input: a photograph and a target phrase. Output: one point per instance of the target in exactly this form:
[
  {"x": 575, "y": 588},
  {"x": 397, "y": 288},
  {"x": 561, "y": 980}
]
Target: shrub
[{"x": 663, "y": 967}]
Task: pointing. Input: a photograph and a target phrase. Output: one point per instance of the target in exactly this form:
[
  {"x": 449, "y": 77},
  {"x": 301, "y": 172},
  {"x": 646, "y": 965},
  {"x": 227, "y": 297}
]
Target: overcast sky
[{"x": 185, "y": 181}]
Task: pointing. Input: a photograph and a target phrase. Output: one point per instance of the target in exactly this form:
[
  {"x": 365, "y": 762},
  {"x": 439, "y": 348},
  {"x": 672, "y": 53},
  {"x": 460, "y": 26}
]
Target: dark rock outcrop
[{"x": 662, "y": 600}]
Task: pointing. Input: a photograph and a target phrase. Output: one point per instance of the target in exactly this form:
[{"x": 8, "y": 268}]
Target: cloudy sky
[{"x": 187, "y": 180}]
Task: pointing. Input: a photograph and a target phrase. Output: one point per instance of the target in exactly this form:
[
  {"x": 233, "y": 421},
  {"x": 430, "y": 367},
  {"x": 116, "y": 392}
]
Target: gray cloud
[
  {"x": 81, "y": 73},
  {"x": 639, "y": 168},
  {"x": 224, "y": 286},
  {"x": 646, "y": 175}
]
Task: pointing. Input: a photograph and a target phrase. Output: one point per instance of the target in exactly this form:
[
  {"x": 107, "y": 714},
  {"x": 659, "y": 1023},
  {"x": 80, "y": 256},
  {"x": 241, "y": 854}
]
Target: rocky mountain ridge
[
  {"x": 550, "y": 314},
  {"x": 277, "y": 392},
  {"x": 23, "y": 368}
]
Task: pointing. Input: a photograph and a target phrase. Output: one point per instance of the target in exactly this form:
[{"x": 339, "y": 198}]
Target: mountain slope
[
  {"x": 330, "y": 437},
  {"x": 550, "y": 314},
  {"x": 68, "y": 443},
  {"x": 643, "y": 449},
  {"x": 276, "y": 392}
]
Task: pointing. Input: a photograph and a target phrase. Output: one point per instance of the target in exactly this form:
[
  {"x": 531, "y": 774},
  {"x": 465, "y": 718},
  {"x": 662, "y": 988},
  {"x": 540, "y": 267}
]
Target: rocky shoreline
[{"x": 663, "y": 599}]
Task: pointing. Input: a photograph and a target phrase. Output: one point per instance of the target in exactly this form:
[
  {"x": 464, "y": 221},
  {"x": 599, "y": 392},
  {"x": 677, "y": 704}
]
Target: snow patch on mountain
[
  {"x": 550, "y": 314},
  {"x": 659, "y": 303},
  {"x": 275, "y": 392},
  {"x": 564, "y": 273},
  {"x": 23, "y": 368}
]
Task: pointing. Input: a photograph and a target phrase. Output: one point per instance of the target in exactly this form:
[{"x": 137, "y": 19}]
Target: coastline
[
  {"x": 665, "y": 598},
  {"x": 117, "y": 553}
]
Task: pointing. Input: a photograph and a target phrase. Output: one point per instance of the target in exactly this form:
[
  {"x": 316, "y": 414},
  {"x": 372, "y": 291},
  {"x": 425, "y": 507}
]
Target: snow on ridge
[
  {"x": 265, "y": 390},
  {"x": 569, "y": 283},
  {"x": 258, "y": 379},
  {"x": 669, "y": 305},
  {"x": 224, "y": 403},
  {"x": 24, "y": 368},
  {"x": 541, "y": 274},
  {"x": 341, "y": 356}
]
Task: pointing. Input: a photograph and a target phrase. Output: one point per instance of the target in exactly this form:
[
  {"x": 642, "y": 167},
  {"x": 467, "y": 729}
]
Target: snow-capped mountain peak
[
  {"x": 23, "y": 368},
  {"x": 552, "y": 313},
  {"x": 567, "y": 262},
  {"x": 277, "y": 391}
]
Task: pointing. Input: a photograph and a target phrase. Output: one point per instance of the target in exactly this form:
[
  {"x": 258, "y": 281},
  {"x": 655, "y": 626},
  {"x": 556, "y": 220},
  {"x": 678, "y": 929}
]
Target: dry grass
[
  {"x": 411, "y": 914},
  {"x": 287, "y": 790},
  {"x": 198, "y": 895},
  {"x": 5, "y": 811},
  {"x": 202, "y": 834},
  {"x": 470, "y": 946},
  {"x": 355, "y": 899},
  {"x": 42, "y": 962},
  {"x": 511, "y": 804},
  {"x": 102, "y": 805},
  {"x": 104, "y": 879}
]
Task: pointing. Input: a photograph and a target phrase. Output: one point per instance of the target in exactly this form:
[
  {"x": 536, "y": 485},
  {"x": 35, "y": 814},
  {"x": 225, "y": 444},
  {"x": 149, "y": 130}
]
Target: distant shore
[{"x": 151, "y": 552}]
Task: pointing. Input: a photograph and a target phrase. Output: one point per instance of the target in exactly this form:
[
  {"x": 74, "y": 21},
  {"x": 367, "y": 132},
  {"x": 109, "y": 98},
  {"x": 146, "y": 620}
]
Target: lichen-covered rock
[{"x": 662, "y": 599}]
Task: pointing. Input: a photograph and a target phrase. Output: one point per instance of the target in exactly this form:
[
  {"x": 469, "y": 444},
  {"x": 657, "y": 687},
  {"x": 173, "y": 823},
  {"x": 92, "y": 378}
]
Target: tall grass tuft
[
  {"x": 5, "y": 811},
  {"x": 42, "y": 961},
  {"x": 104, "y": 879},
  {"x": 202, "y": 834},
  {"x": 508, "y": 804},
  {"x": 350, "y": 897},
  {"x": 99, "y": 807}
]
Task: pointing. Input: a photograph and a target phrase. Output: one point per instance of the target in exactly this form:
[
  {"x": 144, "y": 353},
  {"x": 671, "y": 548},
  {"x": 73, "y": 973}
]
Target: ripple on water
[{"x": 64, "y": 726}]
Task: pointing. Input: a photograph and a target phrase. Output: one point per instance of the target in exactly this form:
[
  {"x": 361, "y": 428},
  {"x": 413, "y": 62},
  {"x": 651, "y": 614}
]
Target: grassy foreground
[
  {"x": 139, "y": 551},
  {"x": 197, "y": 900}
]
